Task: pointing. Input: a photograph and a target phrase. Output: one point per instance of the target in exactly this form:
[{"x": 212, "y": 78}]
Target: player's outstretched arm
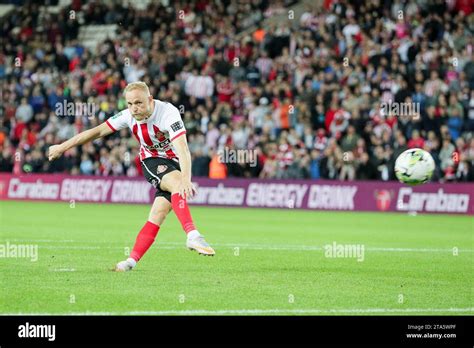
[{"x": 102, "y": 130}]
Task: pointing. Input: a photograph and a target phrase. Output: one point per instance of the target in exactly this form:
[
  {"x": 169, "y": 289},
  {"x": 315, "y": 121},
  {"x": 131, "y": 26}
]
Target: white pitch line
[
  {"x": 63, "y": 270},
  {"x": 264, "y": 311},
  {"x": 179, "y": 245},
  {"x": 254, "y": 247},
  {"x": 41, "y": 240}
]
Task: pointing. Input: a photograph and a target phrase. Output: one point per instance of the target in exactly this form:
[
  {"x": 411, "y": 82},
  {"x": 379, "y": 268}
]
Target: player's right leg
[
  {"x": 195, "y": 241},
  {"x": 160, "y": 208}
]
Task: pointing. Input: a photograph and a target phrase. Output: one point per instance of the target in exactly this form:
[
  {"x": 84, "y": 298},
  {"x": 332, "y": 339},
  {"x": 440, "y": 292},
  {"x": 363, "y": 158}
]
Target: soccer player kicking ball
[{"x": 165, "y": 160}]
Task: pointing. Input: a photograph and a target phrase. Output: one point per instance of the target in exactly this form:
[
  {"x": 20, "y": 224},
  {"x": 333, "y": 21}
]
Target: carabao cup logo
[{"x": 383, "y": 199}]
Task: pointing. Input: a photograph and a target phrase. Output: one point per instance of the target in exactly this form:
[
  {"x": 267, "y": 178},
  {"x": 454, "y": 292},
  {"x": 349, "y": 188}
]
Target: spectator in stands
[{"x": 287, "y": 91}]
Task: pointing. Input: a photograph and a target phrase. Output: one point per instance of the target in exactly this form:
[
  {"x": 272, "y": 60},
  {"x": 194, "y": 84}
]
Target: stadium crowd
[{"x": 308, "y": 98}]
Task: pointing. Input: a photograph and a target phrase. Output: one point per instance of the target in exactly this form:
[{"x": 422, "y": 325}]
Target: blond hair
[{"x": 137, "y": 85}]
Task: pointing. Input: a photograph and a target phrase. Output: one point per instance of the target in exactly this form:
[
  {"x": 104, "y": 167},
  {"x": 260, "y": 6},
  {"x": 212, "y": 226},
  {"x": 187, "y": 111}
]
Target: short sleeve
[
  {"x": 118, "y": 121},
  {"x": 173, "y": 123}
]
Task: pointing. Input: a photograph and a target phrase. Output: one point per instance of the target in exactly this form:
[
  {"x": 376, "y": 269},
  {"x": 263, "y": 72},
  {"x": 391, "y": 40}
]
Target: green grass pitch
[{"x": 268, "y": 262}]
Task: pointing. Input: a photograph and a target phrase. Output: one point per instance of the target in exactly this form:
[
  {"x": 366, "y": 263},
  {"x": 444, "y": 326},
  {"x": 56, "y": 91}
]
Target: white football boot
[
  {"x": 200, "y": 245},
  {"x": 127, "y": 265}
]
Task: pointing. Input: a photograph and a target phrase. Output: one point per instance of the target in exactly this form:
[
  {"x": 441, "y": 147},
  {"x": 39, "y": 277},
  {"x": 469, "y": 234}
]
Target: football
[{"x": 414, "y": 167}]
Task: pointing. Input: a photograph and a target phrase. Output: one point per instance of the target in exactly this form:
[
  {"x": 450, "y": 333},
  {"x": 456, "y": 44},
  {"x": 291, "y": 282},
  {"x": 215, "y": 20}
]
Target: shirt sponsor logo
[{"x": 162, "y": 145}]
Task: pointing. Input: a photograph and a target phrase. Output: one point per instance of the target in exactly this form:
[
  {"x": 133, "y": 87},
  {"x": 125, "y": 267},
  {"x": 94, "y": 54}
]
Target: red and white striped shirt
[{"x": 154, "y": 134}]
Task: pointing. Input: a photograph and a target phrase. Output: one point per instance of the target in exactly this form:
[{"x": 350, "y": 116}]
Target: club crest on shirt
[{"x": 161, "y": 168}]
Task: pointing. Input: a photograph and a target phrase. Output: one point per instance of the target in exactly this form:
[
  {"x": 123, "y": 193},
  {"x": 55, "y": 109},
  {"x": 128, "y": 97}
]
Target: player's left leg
[
  {"x": 145, "y": 238},
  {"x": 195, "y": 241}
]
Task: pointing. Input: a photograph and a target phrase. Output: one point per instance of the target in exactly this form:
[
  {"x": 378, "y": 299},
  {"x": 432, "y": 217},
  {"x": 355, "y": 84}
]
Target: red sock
[
  {"x": 181, "y": 209},
  {"x": 144, "y": 240}
]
